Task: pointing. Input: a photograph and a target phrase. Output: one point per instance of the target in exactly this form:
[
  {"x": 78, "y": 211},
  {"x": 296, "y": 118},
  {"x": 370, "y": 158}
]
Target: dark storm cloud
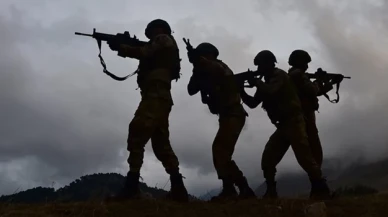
[
  {"x": 53, "y": 109},
  {"x": 350, "y": 40},
  {"x": 62, "y": 117},
  {"x": 62, "y": 114},
  {"x": 354, "y": 45}
]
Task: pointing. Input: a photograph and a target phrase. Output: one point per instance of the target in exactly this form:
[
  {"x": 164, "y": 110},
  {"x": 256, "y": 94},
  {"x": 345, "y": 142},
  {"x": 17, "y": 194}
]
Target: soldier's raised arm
[
  {"x": 304, "y": 83},
  {"x": 194, "y": 85},
  {"x": 161, "y": 41}
]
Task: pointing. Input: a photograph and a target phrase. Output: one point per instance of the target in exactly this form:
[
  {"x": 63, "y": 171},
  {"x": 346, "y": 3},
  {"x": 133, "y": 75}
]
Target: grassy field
[{"x": 370, "y": 206}]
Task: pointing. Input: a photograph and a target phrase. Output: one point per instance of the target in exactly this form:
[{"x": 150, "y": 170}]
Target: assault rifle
[
  {"x": 119, "y": 38},
  {"x": 323, "y": 76},
  {"x": 192, "y": 55},
  {"x": 320, "y": 73},
  {"x": 242, "y": 77},
  {"x": 204, "y": 84}
]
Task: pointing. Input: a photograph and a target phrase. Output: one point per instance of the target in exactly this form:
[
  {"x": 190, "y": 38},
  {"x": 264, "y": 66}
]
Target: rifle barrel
[
  {"x": 79, "y": 33},
  {"x": 347, "y": 77}
]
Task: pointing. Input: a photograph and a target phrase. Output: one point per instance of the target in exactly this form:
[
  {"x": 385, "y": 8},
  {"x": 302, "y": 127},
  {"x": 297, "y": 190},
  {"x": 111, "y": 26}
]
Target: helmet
[
  {"x": 299, "y": 57},
  {"x": 264, "y": 56},
  {"x": 207, "y": 48},
  {"x": 158, "y": 23}
]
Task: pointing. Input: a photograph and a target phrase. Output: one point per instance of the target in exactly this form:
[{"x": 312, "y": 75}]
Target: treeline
[
  {"x": 98, "y": 186},
  {"x": 356, "y": 190},
  {"x": 88, "y": 187}
]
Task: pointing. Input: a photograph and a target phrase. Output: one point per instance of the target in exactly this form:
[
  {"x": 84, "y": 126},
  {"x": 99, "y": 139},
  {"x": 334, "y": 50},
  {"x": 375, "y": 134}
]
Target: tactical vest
[
  {"x": 309, "y": 102},
  {"x": 163, "y": 66},
  {"x": 283, "y": 104},
  {"x": 224, "y": 95}
]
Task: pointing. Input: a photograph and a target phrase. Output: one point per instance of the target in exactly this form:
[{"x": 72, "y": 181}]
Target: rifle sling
[
  {"x": 105, "y": 70},
  {"x": 337, "y": 92}
]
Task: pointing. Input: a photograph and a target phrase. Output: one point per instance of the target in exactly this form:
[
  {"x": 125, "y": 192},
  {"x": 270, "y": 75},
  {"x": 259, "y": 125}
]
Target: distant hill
[
  {"x": 374, "y": 175},
  {"x": 210, "y": 194},
  {"x": 89, "y": 187}
]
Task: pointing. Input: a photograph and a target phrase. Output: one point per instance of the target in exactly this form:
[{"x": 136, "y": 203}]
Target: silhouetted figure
[
  {"x": 308, "y": 93},
  {"x": 281, "y": 102},
  {"x": 159, "y": 65},
  {"x": 219, "y": 90}
]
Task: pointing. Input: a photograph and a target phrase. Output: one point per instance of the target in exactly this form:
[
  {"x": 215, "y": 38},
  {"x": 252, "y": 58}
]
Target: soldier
[
  {"x": 222, "y": 96},
  {"x": 308, "y": 93},
  {"x": 281, "y": 102},
  {"x": 159, "y": 65}
]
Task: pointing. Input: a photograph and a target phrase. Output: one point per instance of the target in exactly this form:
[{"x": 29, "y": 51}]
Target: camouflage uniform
[
  {"x": 157, "y": 59},
  {"x": 280, "y": 100},
  {"x": 283, "y": 106},
  {"x": 159, "y": 65},
  {"x": 225, "y": 99},
  {"x": 308, "y": 92}
]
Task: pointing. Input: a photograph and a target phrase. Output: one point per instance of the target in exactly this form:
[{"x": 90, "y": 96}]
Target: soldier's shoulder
[
  {"x": 297, "y": 73},
  {"x": 294, "y": 71},
  {"x": 225, "y": 67},
  {"x": 280, "y": 72},
  {"x": 164, "y": 40}
]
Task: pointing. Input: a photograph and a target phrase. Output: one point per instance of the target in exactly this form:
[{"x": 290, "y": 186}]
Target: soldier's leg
[
  {"x": 273, "y": 153},
  {"x": 224, "y": 145},
  {"x": 296, "y": 131},
  {"x": 161, "y": 145},
  {"x": 163, "y": 151},
  {"x": 140, "y": 131},
  {"x": 222, "y": 150},
  {"x": 313, "y": 137}
]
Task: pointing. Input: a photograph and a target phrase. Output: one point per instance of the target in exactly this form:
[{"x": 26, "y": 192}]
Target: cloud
[{"x": 63, "y": 118}]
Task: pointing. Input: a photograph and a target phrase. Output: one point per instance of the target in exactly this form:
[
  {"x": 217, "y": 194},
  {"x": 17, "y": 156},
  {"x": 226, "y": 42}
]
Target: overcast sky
[{"x": 62, "y": 118}]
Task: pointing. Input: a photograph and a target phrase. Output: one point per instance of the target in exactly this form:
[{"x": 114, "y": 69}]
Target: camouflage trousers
[
  {"x": 151, "y": 122},
  {"x": 223, "y": 146},
  {"x": 290, "y": 132},
  {"x": 313, "y": 136}
]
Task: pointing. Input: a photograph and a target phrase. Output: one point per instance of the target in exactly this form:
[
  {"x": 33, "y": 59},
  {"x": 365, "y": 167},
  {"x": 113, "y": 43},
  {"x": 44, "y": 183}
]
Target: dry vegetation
[{"x": 369, "y": 206}]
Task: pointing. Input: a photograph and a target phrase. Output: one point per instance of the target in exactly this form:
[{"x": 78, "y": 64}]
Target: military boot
[
  {"x": 130, "y": 190},
  {"x": 228, "y": 191},
  {"x": 246, "y": 192},
  {"x": 271, "y": 192},
  {"x": 320, "y": 190},
  {"x": 178, "y": 190}
]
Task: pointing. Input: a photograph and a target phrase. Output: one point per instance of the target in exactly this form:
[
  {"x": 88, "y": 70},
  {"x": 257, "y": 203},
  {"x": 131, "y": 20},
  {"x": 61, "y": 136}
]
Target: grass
[{"x": 367, "y": 206}]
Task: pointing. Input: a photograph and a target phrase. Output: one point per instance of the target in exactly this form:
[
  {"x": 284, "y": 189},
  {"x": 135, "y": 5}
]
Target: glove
[{"x": 192, "y": 56}]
